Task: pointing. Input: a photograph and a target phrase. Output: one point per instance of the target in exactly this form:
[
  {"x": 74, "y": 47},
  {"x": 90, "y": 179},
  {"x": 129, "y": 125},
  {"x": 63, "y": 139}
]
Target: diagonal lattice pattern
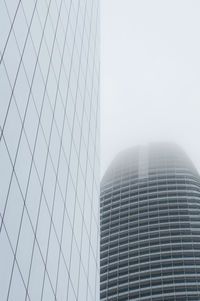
[{"x": 49, "y": 149}]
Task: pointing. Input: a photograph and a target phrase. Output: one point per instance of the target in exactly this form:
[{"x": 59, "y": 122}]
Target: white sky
[{"x": 150, "y": 75}]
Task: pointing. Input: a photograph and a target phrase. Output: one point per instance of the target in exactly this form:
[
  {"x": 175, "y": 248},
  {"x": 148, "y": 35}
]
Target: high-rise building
[
  {"x": 49, "y": 150},
  {"x": 150, "y": 226}
]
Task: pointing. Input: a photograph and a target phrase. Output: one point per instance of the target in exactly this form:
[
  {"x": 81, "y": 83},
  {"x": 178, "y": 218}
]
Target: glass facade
[
  {"x": 150, "y": 226},
  {"x": 49, "y": 150}
]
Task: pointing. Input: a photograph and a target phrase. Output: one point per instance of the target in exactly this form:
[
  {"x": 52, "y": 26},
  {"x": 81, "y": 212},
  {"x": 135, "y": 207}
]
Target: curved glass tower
[{"x": 150, "y": 226}]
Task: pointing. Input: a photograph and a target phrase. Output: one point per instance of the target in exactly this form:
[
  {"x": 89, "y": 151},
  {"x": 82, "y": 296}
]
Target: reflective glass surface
[{"x": 49, "y": 150}]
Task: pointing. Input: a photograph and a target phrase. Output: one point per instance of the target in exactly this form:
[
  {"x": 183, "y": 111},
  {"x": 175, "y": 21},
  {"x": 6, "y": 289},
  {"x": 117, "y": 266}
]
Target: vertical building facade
[
  {"x": 49, "y": 150},
  {"x": 150, "y": 226}
]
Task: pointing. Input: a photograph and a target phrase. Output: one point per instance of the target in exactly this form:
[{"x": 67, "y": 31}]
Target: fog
[{"x": 150, "y": 75}]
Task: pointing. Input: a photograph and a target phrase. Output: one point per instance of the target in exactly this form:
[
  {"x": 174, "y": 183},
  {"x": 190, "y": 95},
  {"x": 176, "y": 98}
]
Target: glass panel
[
  {"x": 52, "y": 261},
  {"x": 13, "y": 212},
  {"x": 43, "y": 227},
  {"x": 48, "y": 293},
  {"x": 24, "y": 250},
  {"x": 6, "y": 261},
  {"x": 62, "y": 281},
  {"x": 23, "y": 164},
  {"x": 5, "y": 175},
  {"x": 17, "y": 289},
  {"x": 12, "y": 130},
  {"x": 36, "y": 277}
]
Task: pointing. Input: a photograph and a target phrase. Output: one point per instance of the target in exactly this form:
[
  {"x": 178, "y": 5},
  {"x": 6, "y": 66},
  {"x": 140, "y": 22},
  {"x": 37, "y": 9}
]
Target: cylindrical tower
[{"x": 150, "y": 226}]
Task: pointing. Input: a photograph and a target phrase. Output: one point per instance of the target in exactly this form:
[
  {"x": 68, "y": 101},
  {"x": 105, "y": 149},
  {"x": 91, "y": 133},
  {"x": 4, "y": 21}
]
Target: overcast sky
[{"x": 150, "y": 75}]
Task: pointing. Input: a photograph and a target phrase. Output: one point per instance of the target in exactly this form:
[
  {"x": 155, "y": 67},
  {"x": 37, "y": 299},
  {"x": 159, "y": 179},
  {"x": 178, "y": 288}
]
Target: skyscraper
[
  {"x": 150, "y": 226},
  {"x": 49, "y": 149}
]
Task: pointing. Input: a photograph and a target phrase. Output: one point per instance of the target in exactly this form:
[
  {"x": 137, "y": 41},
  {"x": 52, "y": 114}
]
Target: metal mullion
[
  {"x": 78, "y": 153},
  {"x": 13, "y": 252},
  {"x": 97, "y": 222},
  {"x": 25, "y": 203},
  {"x": 66, "y": 161},
  {"x": 85, "y": 188},
  {"x": 42, "y": 126},
  {"x": 60, "y": 149},
  {"x": 54, "y": 169},
  {"x": 26, "y": 207},
  {"x": 33, "y": 98},
  {"x": 28, "y": 211},
  {"x": 1, "y": 135},
  {"x": 47, "y": 146},
  {"x": 96, "y": 111},
  {"x": 35, "y": 169},
  {"x": 83, "y": 111},
  {"x": 31, "y": 221},
  {"x": 18, "y": 69},
  {"x": 63, "y": 64},
  {"x": 84, "y": 141},
  {"x": 70, "y": 150},
  {"x": 32, "y": 155},
  {"x": 92, "y": 192},
  {"x": 68, "y": 92},
  {"x": 44, "y": 83},
  {"x": 77, "y": 173},
  {"x": 12, "y": 95},
  {"x": 51, "y": 106},
  {"x": 12, "y": 24},
  {"x": 47, "y": 46}
]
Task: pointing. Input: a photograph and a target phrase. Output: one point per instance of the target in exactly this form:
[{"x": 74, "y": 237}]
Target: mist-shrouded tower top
[{"x": 150, "y": 226}]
